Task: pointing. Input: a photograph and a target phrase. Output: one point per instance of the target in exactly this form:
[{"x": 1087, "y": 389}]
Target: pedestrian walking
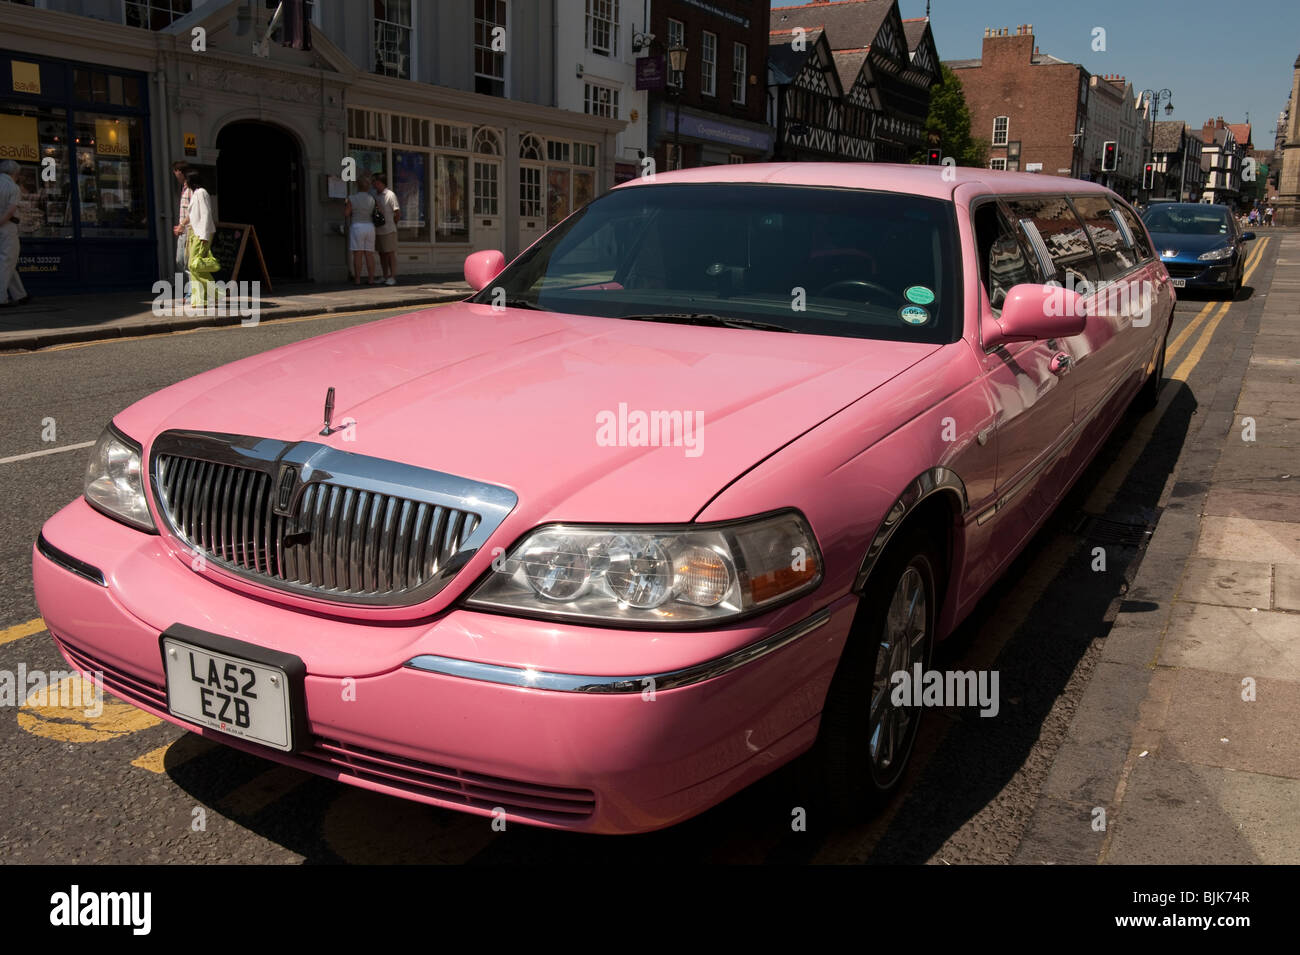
[
  {"x": 182, "y": 228},
  {"x": 202, "y": 227},
  {"x": 11, "y": 284},
  {"x": 360, "y": 209},
  {"x": 1268, "y": 216},
  {"x": 386, "y": 234}
]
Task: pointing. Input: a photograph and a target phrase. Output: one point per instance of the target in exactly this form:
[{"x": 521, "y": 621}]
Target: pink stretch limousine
[{"x": 661, "y": 507}]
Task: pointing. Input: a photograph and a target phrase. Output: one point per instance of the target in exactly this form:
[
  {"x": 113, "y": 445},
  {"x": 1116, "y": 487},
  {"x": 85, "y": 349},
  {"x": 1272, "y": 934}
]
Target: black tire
[
  {"x": 1149, "y": 396},
  {"x": 856, "y": 778}
]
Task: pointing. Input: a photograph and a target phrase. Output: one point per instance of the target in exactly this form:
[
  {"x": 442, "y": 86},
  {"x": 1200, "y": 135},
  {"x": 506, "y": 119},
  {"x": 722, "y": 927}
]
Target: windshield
[
  {"x": 821, "y": 261},
  {"x": 1188, "y": 219}
]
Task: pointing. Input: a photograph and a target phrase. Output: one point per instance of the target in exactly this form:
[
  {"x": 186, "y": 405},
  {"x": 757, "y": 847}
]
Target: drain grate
[{"x": 1102, "y": 530}]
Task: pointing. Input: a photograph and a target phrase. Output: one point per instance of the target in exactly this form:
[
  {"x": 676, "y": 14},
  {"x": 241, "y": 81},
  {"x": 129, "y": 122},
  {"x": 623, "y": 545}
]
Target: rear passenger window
[
  {"x": 1134, "y": 224},
  {"x": 1113, "y": 250},
  {"x": 1004, "y": 262},
  {"x": 1052, "y": 220}
]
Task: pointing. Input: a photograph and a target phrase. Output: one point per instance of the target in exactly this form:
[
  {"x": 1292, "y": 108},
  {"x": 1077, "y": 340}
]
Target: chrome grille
[{"x": 381, "y": 533}]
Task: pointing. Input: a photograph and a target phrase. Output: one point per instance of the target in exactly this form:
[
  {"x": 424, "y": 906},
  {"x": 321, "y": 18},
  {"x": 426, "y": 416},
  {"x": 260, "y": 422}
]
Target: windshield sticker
[
  {"x": 919, "y": 295},
  {"x": 914, "y": 315}
]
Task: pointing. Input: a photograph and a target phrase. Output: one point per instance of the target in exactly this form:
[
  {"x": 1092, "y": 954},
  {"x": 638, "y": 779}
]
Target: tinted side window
[
  {"x": 1004, "y": 262},
  {"x": 1062, "y": 234},
  {"x": 1130, "y": 218},
  {"x": 1112, "y": 249}
]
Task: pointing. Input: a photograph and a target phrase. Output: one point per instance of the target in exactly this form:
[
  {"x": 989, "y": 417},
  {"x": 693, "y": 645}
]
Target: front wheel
[{"x": 865, "y": 739}]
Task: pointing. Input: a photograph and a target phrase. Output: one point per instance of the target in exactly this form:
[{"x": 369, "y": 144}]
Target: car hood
[
  {"x": 1185, "y": 244},
  {"x": 545, "y": 404}
]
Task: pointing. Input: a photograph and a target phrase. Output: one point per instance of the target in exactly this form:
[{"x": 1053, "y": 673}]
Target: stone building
[
  {"x": 1287, "y": 210},
  {"x": 468, "y": 129}
]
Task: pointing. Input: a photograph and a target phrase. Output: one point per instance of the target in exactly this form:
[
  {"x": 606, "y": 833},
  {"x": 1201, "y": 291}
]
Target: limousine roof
[{"x": 889, "y": 177}]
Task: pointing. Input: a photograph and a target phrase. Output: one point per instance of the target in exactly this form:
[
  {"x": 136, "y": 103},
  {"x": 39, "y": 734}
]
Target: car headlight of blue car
[{"x": 1216, "y": 255}]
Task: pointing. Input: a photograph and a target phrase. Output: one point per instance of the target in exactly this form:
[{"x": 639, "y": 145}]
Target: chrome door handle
[{"x": 1060, "y": 363}]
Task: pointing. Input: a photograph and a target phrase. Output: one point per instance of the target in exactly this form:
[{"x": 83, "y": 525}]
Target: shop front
[
  {"x": 80, "y": 134},
  {"x": 707, "y": 140}
]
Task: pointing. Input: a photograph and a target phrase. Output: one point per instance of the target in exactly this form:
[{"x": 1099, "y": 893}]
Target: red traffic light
[{"x": 934, "y": 157}]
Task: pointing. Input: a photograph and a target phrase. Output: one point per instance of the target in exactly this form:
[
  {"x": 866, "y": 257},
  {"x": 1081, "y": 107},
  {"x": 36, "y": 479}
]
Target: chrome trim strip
[
  {"x": 70, "y": 563},
  {"x": 321, "y": 471},
  {"x": 576, "y": 683},
  {"x": 924, "y": 485}
]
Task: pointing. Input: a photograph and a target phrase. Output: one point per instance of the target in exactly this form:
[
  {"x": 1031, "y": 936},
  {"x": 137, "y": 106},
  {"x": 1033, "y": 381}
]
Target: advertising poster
[
  {"x": 409, "y": 178},
  {"x": 452, "y": 190}
]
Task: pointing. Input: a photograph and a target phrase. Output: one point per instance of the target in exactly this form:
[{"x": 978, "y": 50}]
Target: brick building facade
[
  {"x": 722, "y": 94},
  {"x": 1031, "y": 107}
]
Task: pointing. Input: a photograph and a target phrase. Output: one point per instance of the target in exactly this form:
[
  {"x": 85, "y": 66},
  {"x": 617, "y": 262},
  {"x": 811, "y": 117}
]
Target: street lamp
[
  {"x": 677, "y": 64},
  {"x": 1154, "y": 100}
]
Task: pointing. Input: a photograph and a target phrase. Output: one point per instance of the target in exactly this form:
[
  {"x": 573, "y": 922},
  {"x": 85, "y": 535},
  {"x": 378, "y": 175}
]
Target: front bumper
[
  {"x": 1202, "y": 275},
  {"x": 453, "y": 711}
]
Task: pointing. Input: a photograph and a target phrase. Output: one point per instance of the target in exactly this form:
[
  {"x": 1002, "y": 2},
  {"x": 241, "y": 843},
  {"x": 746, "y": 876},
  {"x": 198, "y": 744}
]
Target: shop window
[
  {"x": 35, "y": 134},
  {"x": 451, "y": 199},
  {"x": 410, "y": 131},
  {"x": 155, "y": 14},
  {"x": 410, "y": 185},
  {"x": 489, "y": 63},
  {"x": 557, "y": 195},
  {"x": 584, "y": 154},
  {"x": 367, "y": 124},
  {"x": 584, "y": 187},
  {"x": 392, "y": 27},
  {"x": 110, "y": 175}
]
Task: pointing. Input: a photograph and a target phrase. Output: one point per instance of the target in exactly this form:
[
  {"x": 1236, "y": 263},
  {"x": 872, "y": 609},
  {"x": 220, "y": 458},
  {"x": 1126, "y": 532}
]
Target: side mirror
[
  {"x": 1035, "y": 313},
  {"x": 1247, "y": 236},
  {"x": 482, "y": 267}
]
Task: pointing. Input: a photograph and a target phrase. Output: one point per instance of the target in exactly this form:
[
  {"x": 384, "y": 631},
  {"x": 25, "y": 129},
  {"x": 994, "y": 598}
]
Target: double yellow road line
[{"x": 1203, "y": 342}]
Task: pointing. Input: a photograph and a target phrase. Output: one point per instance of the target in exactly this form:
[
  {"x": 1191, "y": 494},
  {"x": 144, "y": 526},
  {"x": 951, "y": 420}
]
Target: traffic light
[
  {"x": 934, "y": 157},
  {"x": 1108, "y": 156},
  {"x": 1148, "y": 175}
]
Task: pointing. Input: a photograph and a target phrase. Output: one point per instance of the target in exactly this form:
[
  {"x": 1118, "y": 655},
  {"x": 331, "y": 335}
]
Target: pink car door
[{"x": 1033, "y": 389}]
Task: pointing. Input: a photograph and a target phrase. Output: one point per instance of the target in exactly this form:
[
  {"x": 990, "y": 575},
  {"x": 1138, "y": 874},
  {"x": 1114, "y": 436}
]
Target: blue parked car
[{"x": 1200, "y": 244}]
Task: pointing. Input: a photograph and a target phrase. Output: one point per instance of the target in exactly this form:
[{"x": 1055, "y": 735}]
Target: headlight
[
  {"x": 115, "y": 480},
  {"x": 1215, "y": 255},
  {"x": 682, "y": 575}
]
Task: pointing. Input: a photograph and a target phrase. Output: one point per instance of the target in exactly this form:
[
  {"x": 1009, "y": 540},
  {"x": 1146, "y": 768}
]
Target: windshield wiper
[{"x": 706, "y": 318}]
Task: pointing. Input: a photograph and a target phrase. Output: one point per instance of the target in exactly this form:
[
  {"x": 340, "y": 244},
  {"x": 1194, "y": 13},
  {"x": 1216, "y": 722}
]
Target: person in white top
[
  {"x": 386, "y": 234},
  {"x": 359, "y": 207},
  {"x": 203, "y": 226},
  {"x": 11, "y": 285}
]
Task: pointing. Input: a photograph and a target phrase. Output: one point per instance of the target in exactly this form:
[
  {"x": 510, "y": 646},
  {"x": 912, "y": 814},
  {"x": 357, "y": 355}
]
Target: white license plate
[
  {"x": 227, "y": 693},
  {"x": 1179, "y": 283}
]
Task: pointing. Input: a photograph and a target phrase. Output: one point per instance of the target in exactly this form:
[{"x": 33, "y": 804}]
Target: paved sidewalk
[
  {"x": 1187, "y": 735},
  {"x": 54, "y": 320}
]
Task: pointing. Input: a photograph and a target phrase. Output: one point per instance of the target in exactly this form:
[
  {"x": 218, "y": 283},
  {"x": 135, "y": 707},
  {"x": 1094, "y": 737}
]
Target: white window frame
[
  {"x": 603, "y": 13},
  {"x": 676, "y": 37},
  {"x": 708, "y": 65},
  {"x": 527, "y": 195},
  {"x": 1006, "y": 126},
  {"x": 739, "y": 73},
  {"x": 504, "y": 78},
  {"x": 593, "y": 104},
  {"x": 998, "y": 163},
  {"x": 149, "y": 7},
  {"x": 413, "y": 30},
  {"x": 480, "y": 163}
]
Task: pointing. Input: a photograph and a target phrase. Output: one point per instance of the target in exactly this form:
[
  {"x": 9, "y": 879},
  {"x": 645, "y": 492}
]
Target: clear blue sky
[{"x": 1220, "y": 58}]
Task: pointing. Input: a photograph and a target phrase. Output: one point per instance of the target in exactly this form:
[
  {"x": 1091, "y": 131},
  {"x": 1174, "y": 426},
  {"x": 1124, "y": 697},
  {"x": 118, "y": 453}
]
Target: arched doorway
[{"x": 259, "y": 181}]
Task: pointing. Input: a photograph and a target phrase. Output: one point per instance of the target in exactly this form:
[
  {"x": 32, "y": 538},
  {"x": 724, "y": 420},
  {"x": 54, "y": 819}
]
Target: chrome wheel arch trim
[
  {"x": 936, "y": 480},
  {"x": 578, "y": 683}
]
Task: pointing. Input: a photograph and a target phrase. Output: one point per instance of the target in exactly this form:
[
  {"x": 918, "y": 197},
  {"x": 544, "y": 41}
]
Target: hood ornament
[{"x": 329, "y": 413}]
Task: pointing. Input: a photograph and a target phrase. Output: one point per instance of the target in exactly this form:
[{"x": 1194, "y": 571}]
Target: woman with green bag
[{"x": 203, "y": 226}]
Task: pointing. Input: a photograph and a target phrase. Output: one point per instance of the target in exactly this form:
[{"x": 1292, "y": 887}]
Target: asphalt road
[{"x": 127, "y": 788}]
